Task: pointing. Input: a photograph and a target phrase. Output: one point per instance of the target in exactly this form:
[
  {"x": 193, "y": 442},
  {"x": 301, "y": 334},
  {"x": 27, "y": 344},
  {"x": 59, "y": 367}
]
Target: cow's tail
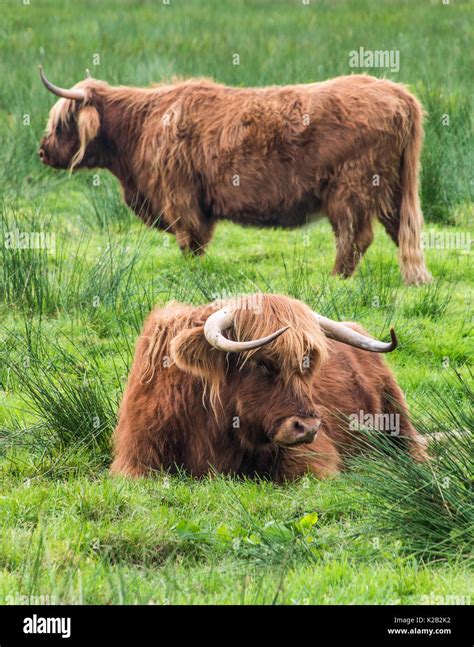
[{"x": 412, "y": 259}]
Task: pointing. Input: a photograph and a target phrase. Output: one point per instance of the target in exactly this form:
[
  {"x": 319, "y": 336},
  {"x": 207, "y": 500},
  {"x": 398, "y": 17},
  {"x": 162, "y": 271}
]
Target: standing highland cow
[{"x": 194, "y": 152}]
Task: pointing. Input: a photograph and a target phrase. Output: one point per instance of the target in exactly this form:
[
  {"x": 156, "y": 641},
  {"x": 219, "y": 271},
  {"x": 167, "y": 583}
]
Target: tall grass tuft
[
  {"x": 63, "y": 389},
  {"x": 430, "y": 300},
  {"x": 28, "y": 279},
  {"x": 428, "y": 506}
]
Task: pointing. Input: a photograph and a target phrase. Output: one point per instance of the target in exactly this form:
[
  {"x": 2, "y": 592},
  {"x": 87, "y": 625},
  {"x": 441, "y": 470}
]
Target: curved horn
[
  {"x": 223, "y": 319},
  {"x": 76, "y": 95},
  {"x": 346, "y": 335}
]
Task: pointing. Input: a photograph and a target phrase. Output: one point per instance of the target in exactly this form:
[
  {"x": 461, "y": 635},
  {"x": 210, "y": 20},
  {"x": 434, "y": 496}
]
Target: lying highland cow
[
  {"x": 218, "y": 388},
  {"x": 195, "y": 152}
]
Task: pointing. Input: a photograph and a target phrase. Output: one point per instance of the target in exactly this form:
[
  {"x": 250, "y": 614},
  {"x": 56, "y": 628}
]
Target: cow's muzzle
[{"x": 297, "y": 431}]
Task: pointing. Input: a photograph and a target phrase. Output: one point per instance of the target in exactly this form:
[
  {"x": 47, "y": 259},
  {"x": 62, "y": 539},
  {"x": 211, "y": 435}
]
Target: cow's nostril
[
  {"x": 41, "y": 153},
  {"x": 297, "y": 431},
  {"x": 306, "y": 426}
]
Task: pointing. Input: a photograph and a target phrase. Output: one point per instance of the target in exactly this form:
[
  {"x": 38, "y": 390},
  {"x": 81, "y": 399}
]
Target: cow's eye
[
  {"x": 58, "y": 129},
  {"x": 265, "y": 369}
]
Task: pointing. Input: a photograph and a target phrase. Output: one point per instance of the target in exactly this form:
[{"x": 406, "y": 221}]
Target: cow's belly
[{"x": 295, "y": 215}]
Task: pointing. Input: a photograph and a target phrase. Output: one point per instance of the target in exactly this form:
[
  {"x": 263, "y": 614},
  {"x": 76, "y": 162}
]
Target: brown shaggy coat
[
  {"x": 195, "y": 152},
  {"x": 190, "y": 406}
]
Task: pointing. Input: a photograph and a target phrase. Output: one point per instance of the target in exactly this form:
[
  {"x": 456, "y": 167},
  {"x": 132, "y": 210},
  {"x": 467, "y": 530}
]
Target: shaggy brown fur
[
  {"x": 194, "y": 152},
  {"x": 188, "y": 405}
]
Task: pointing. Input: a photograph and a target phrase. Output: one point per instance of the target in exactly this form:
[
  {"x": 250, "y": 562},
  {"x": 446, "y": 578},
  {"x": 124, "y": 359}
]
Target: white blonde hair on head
[{"x": 88, "y": 125}]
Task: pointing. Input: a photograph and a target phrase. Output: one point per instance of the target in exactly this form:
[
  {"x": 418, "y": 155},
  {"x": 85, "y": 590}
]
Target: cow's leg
[
  {"x": 192, "y": 227},
  {"x": 135, "y": 449},
  {"x": 391, "y": 224},
  {"x": 140, "y": 205},
  {"x": 129, "y": 461},
  {"x": 320, "y": 458},
  {"x": 193, "y": 240},
  {"x": 183, "y": 239},
  {"x": 418, "y": 273},
  {"x": 200, "y": 237},
  {"x": 354, "y": 234}
]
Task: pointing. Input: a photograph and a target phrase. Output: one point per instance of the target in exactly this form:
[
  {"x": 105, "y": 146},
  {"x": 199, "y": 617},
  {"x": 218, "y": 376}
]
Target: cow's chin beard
[
  {"x": 86, "y": 163},
  {"x": 58, "y": 166}
]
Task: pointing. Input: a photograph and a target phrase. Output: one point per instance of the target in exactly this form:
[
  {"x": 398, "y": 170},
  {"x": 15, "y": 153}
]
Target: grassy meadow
[{"x": 388, "y": 531}]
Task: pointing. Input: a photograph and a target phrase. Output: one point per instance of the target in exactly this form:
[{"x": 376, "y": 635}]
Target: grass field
[{"x": 387, "y": 531}]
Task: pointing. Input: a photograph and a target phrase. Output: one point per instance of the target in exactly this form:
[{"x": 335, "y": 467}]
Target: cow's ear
[
  {"x": 192, "y": 353},
  {"x": 88, "y": 126}
]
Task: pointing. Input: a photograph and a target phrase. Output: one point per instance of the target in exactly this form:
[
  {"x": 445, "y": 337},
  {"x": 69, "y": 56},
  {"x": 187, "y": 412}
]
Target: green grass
[{"x": 388, "y": 531}]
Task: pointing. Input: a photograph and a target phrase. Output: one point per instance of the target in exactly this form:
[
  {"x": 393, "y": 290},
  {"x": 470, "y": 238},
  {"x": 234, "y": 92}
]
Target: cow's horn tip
[{"x": 393, "y": 337}]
